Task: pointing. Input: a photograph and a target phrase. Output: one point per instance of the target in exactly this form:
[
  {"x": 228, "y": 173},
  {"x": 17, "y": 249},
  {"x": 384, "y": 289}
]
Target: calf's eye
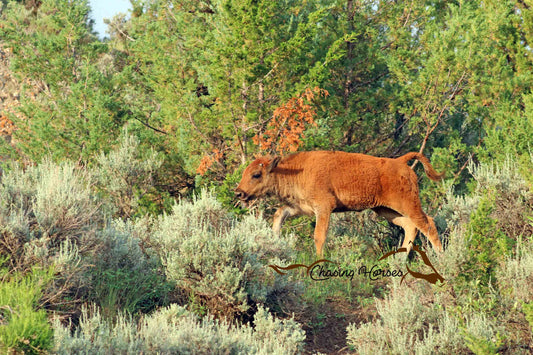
[{"x": 256, "y": 175}]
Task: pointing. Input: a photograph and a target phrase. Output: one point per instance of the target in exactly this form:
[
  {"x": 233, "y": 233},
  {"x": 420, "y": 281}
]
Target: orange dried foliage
[
  {"x": 208, "y": 160},
  {"x": 6, "y": 125},
  {"x": 284, "y": 132}
]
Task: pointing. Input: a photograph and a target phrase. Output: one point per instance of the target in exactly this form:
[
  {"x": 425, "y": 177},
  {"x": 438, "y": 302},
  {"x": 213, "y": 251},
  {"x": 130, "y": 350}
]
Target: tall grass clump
[
  {"x": 175, "y": 330},
  {"x": 218, "y": 260},
  {"x": 24, "y": 327}
]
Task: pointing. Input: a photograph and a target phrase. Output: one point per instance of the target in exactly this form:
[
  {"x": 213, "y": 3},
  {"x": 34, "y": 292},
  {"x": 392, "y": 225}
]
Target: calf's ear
[{"x": 273, "y": 164}]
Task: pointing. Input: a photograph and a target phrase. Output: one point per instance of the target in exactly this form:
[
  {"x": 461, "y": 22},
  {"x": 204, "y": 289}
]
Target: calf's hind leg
[
  {"x": 408, "y": 226},
  {"x": 427, "y": 226}
]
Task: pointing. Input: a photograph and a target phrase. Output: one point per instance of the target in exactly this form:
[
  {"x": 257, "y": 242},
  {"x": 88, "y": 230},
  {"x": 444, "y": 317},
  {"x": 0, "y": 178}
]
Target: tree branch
[{"x": 153, "y": 128}]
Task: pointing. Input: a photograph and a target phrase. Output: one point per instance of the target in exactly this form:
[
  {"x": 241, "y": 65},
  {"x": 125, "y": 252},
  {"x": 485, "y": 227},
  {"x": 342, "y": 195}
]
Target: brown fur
[{"x": 320, "y": 182}]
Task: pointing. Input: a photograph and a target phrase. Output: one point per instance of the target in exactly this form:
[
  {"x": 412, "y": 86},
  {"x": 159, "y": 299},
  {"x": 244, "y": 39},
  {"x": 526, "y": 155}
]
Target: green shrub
[
  {"x": 50, "y": 217},
  {"x": 64, "y": 205},
  {"x": 218, "y": 259},
  {"x": 126, "y": 176},
  {"x": 408, "y": 324},
  {"x": 480, "y": 336},
  {"x": 96, "y": 335},
  {"x": 42, "y": 207},
  {"x": 174, "y": 330},
  {"x": 481, "y": 346},
  {"x": 515, "y": 275},
  {"x": 23, "y": 327},
  {"x": 486, "y": 245},
  {"x": 225, "y": 191},
  {"x": 484, "y": 226},
  {"x": 528, "y": 311},
  {"x": 511, "y": 196},
  {"x": 124, "y": 277},
  {"x": 401, "y": 320}
]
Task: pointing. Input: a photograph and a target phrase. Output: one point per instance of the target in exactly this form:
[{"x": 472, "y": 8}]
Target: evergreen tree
[
  {"x": 198, "y": 80},
  {"x": 68, "y": 103}
]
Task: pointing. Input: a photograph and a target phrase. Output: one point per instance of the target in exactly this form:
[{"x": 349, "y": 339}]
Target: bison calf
[{"x": 323, "y": 182}]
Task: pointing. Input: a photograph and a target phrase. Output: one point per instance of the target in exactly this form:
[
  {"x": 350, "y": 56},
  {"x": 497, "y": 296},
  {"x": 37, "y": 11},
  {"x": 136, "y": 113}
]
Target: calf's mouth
[{"x": 243, "y": 196}]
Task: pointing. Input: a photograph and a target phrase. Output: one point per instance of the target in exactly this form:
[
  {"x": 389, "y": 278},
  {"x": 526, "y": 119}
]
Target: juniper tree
[{"x": 68, "y": 102}]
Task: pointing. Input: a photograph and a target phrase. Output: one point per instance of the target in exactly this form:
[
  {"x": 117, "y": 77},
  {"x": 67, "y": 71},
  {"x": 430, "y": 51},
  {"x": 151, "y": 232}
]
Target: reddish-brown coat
[{"x": 322, "y": 182}]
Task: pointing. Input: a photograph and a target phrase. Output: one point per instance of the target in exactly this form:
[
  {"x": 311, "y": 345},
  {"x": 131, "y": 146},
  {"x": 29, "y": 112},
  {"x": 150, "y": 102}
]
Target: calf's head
[{"x": 256, "y": 179}]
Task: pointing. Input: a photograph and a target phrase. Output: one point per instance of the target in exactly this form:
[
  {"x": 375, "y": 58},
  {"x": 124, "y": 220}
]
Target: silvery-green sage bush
[
  {"x": 175, "y": 330},
  {"x": 217, "y": 258}
]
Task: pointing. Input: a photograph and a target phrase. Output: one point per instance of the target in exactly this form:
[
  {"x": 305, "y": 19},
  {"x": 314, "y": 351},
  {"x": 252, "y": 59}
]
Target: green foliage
[
  {"x": 201, "y": 79},
  {"x": 407, "y": 322},
  {"x": 127, "y": 176},
  {"x": 44, "y": 206},
  {"x": 225, "y": 193},
  {"x": 208, "y": 253},
  {"x": 528, "y": 311},
  {"x": 487, "y": 246},
  {"x": 487, "y": 224},
  {"x": 23, "y": 327},
  {"x": 480, "y": 346},
  {"x": 515, "y": 276},
  {"x": 176, "y": 330},
  {"x": 125, "y": 278},
  {"x": 232, "y": 57},
  {"x": 68, "y": 106}
]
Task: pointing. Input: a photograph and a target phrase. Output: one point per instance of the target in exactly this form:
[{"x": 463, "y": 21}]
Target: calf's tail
[{"x": 428, "y": 168}]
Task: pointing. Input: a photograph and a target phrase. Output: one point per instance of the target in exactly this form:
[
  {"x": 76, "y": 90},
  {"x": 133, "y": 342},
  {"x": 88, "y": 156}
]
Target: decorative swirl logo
[
  {"x": 431, "y": 278},
  {"x": 294, "y": 266},
  {"x": 319, "y": 272}
]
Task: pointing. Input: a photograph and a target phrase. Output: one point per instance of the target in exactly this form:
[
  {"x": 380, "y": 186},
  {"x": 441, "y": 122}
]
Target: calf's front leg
[
  {"x": 321, "y": 230},
  {"x": 281, "y": 215}
]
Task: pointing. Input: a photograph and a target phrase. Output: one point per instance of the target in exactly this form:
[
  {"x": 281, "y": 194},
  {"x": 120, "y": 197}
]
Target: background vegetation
[{"x": 118, "y": 230}]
